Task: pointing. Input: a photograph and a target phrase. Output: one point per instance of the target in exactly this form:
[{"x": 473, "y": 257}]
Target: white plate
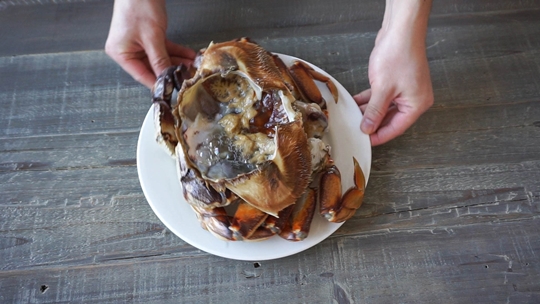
[{"x": 157, "y": 174}]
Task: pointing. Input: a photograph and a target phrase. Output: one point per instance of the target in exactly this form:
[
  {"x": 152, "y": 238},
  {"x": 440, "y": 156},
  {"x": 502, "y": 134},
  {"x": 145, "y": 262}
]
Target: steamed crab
[{"x": 247, "y": 132}]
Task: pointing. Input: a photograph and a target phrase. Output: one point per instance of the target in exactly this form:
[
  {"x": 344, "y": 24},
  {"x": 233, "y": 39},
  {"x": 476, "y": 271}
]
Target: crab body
[{"x": 246, "y": 131}]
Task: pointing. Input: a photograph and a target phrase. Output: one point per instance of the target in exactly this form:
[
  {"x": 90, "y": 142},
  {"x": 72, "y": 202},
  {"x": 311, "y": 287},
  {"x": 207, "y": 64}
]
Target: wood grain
[
  {"x": 445, "y": 265},
  {"x": 452, "y": 208}
]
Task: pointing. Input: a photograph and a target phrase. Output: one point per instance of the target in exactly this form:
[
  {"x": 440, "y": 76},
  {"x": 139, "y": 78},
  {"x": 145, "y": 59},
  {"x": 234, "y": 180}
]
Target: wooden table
[{"x": 452, "y": 209}]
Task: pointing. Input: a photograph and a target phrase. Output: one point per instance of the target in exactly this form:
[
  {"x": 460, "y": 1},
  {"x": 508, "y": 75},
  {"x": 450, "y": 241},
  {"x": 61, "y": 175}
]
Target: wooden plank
[
  {"x": 437, "y": 197},
  {"x": 63, "y": 205},
  {"x": 447, "y": 266},
  {"x": 407, "y": 191},
  {"x": 457, "y": 136},
  {"x": 96, "y": 95},
  {"x": 95, "y": 229},
  {"x": 467, "y": 136},
  {"x": 438, "y": 130},
  {"x": 69, "y": 93},
  {"x": 31, "y": 27},
  {"x": 68, "y": 152},
  {"x": 68, "y": 187},
  {"x": 452, "y": 209}
]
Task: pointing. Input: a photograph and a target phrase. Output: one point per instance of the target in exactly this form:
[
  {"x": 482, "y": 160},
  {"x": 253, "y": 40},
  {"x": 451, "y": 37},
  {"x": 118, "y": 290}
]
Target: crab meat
[{"x": 246, "y": 131}]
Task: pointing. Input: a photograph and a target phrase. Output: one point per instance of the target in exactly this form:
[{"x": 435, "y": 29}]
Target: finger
[
  {"x": 363, "y": 108},
  {"x": 181, "y": 60},
  {"x": 177, "y": 50},
  {"x": 396, "y": 122},
  {"x": 375, "y": 111},
  {"x": 157, "y": 55},
  {"x": 362, "y": 97},
  {"x": 139, "y": 70}
]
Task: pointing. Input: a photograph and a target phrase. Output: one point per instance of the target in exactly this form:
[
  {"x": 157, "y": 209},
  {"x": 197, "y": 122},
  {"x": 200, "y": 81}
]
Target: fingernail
[{"x": 367, "y": 126}]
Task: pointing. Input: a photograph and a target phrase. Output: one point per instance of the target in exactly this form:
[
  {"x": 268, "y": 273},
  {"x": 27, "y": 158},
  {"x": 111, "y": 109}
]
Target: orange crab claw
[
  {"x": 246, "y": 220},
  {"x": 351, "y": 201},
  {"x": 300, "y": 221},
  {"x": 344, "y": 208},
  {"x": 359, "y": 178}
]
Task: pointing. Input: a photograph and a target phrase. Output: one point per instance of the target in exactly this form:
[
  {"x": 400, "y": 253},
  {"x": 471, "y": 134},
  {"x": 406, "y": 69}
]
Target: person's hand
[
  {"x": 137, "y": 40},
  {"x": 401, "y": 88}
]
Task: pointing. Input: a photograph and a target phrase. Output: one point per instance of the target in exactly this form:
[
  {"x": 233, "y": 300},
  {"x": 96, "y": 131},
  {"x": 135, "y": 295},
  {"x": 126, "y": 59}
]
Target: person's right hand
[
  {"x": 401, "y": 88},
  {"x": 137, "y": 40}
]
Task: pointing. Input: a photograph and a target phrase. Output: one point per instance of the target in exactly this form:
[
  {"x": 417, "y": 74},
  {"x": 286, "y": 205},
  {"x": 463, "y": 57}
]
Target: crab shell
[{"x": 280, "y": 174}]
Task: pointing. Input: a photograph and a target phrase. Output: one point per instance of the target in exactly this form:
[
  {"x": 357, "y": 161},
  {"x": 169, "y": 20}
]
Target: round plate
[{"x": 160, "y": 184}]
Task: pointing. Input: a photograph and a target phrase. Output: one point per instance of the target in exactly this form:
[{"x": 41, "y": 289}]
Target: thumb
[{"x": 376, "y": 110}]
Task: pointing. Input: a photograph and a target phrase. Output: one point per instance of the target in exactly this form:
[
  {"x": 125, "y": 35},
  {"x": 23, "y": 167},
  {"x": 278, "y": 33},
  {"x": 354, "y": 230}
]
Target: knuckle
[
  {"x": 374, "y": 113},
  {"x": 109, "y": 49},
  {"x": 430, "y": 101},
  {"x": 138, "y": 77},
  {"x": 160, "y": 63},
  {"x": 114, "y": 52}
]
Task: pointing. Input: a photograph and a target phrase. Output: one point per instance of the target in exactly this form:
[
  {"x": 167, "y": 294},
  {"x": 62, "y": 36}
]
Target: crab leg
[
  {"x": 334, "y": 207},
  {"x": 246, "y": 220},
  {"x": 300, "y": 221},
  {"x": 303, "y": 76}
]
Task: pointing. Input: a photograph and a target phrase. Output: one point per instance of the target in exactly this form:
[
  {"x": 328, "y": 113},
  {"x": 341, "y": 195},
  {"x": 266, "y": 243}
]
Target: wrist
[{"x": 406, "y": 19}]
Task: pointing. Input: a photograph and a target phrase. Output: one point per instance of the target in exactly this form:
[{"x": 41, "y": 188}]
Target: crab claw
[
  {"x": 334, "y": 207},
  {"x": 246, "y": 220}
]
